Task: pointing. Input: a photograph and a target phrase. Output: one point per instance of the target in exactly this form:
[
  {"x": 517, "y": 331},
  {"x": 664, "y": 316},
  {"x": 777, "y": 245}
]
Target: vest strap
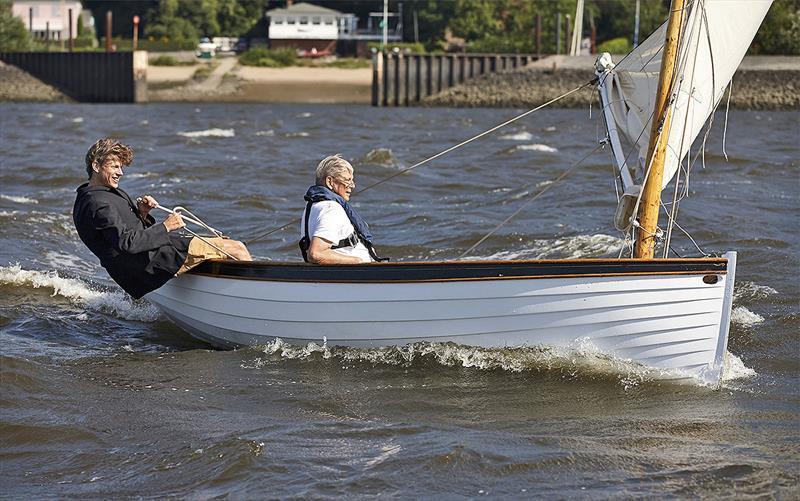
[{"x": 350, "y": 241}]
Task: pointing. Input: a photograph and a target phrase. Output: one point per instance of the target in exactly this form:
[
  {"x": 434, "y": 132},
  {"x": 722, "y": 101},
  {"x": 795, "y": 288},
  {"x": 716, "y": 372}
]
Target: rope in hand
[
  {"x": 194, "y": 220},
  {"x": 260, "y": 236},
  {"x": 537, "y": 195}
]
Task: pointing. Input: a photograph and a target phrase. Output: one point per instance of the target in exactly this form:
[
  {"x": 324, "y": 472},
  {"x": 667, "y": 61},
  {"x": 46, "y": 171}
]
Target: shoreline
[{"x": 761, "y": 83}]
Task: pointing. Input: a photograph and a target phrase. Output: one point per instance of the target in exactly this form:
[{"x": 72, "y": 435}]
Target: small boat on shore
[{"x": 666, "y": 313}]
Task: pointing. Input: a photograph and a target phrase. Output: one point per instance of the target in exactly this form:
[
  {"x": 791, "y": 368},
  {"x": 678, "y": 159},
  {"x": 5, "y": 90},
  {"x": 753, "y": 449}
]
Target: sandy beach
[{"x": 251, "y": 84}]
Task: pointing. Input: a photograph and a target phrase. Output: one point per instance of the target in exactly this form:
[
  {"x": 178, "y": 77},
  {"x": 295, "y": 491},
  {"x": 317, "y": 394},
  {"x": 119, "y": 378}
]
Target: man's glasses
[{"x": 348, "y": 183}]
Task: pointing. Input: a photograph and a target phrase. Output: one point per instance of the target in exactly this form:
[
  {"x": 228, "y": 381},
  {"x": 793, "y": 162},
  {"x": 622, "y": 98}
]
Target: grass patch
[
  {"x": 168, "y": 84},
  {"x": 349, "y": 63},
  {"x": 204, "y": 71},
  {"x": 166, "y": 60}
]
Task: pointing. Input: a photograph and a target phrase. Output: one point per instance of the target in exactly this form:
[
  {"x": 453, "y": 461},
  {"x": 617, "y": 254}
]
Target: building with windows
[
  {"x": 309, "y": 28},
  {"x": 49, "y": 19}
]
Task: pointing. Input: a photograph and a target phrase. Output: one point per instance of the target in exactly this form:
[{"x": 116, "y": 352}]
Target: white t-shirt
[{"x": 328, "y": 220}]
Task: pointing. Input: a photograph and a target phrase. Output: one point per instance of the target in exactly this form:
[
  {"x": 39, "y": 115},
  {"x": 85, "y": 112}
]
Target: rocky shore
[
  {"x": 18, "y": 85},
  {"x": 754, "y": 89}
]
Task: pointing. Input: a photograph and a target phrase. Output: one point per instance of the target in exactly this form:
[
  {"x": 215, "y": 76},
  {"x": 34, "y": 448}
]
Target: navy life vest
[{"x": 361, "y": 234}]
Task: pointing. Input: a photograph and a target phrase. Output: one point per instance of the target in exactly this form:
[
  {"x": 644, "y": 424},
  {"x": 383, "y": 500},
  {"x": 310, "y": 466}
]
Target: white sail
[{"x": 716, "y": 36}]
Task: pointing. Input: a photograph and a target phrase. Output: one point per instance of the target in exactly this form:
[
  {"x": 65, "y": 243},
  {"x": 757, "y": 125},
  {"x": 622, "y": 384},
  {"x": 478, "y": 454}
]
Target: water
[{"x": 102, "y": 397}]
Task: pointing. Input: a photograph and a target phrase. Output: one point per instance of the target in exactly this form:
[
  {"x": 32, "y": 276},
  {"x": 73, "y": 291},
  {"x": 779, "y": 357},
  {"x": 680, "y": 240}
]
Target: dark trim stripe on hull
[{"x": 446, "y": 271}]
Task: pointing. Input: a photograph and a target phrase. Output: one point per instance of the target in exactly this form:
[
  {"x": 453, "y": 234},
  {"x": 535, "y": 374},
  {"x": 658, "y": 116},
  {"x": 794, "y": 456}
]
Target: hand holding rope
[{"x": 191, "y": 218}]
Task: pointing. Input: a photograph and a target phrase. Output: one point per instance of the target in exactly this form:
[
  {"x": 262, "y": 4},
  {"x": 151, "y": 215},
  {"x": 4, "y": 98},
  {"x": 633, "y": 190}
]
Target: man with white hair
[{"x": 331, "y": 230}]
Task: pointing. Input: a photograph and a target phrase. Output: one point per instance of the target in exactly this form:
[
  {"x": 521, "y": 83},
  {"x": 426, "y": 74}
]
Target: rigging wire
[
  {"x": 260, "y": 236},
  {"x": 564, "y": 174}
]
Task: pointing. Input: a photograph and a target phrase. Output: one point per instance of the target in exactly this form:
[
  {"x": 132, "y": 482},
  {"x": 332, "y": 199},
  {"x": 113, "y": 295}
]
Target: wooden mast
[{"x": 657, "y": 149}]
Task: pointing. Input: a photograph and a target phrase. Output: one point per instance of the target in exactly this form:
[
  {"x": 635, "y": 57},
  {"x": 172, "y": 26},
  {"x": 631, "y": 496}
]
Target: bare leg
[{"x": 238, "y": 250}]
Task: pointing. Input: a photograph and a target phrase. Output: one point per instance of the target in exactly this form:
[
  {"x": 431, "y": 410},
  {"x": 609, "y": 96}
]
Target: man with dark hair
[{"x": 138, "y": 254}]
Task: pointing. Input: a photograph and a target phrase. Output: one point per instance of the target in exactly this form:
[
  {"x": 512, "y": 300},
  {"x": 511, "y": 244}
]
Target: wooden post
[
  {"x": 451, "y": 71},
  {"x": 386, "y": 67},
  {"x": 398, "y": 66},
  {"x": 108, "y": 31},
  {"x": 407, "y": 83},
  {"x": 376, "y": 78},
  {"x": 439, "y": 70},
  {"x": 567, "y": 33},
  {"x": 30, "y": 20},
  {"x": 558, "y": 33},
  {"x": 417, "y": 74},
  {"x": 47, "y": 35},
  {"x": 428, "y": 75},
  {"x": 538, "y": 36},
  {"x": 71, "y": 40},
  {"x": 657, "y": 148}
]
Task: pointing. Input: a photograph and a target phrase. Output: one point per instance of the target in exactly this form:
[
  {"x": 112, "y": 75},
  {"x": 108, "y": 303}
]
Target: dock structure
[
  {"x": 94, "y": 77},
  {"x": 400, "y": 79}
]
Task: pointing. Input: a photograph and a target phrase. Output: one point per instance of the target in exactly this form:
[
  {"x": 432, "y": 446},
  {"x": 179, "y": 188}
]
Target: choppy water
[{"x": 101, "y": 397}]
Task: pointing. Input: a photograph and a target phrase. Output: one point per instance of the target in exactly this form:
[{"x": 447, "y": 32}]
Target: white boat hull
[{"x": 676, "y": 322}]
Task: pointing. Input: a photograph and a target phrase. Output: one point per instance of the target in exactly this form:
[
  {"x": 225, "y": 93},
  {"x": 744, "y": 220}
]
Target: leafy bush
[
  {"x": 619, "y": 45},
  {"x": 270, "y": 58}
]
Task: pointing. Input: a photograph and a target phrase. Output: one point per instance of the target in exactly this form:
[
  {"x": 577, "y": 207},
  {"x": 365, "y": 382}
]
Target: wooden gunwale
[{"x": 456, "y": 271}]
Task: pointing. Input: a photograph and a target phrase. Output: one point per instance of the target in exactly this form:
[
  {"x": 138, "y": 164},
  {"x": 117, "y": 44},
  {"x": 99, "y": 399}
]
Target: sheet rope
[{"x": 191, "y": 218}]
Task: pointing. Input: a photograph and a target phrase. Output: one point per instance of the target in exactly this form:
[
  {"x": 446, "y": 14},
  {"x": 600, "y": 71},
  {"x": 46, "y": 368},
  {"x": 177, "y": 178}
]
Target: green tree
[
  {"x": 166, "y": 22},
  {"x": 616, "y": 18},
  {"x": 780, "y": 33},
  {"x": 509, "y": 25},
  {"x": 189, "y": 19},
  {"x": 433, "y": 17},
  {"x": 14, "y": 36}
]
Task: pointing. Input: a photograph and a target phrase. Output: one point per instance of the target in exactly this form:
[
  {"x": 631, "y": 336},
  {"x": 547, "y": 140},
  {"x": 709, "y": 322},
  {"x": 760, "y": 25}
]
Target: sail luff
[{"x": 657, "y": 149}]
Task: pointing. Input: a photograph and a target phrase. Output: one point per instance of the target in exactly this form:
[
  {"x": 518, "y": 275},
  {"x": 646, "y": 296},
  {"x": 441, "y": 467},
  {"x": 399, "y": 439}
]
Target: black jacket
[{"x": 138, "y": 254}]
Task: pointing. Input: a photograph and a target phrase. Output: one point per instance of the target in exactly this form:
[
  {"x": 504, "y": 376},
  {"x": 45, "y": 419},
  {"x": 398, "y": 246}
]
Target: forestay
[{"x": 716, "y": 36}]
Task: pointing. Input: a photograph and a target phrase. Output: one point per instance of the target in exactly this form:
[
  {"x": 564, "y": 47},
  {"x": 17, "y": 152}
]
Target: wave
[
  {"x": 18, "y": 200},
  {"x": 297, "y": 134},
  {"x": 518, "y": 136},
  {"x": 209, "y": 133},
  {"x": 744, "y": 317},
  {"x": 734, "y": 369},
  {"x": 536, "y": 147},
  {"x": 575, "y": 247},
  {"x": 79, "y": 292},
  {"x": 582, "y": 359},
  {"x": 379, "y": 156},
  {"x": 77, "y": 120},
  {"x": 265, "y": 133},
  {"x": 746, "y": 290},
  {"x": 58, "y": 223},
  {"x": 139, "y": 175}
]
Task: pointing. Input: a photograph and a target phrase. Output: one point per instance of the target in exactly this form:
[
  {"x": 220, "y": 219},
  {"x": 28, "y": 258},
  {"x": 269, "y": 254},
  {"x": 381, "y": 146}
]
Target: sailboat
[{"x": 669, "y": 314}]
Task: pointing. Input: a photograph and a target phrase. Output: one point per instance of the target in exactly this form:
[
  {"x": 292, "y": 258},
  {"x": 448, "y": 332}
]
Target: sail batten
[{"x": 716, "y": 37}]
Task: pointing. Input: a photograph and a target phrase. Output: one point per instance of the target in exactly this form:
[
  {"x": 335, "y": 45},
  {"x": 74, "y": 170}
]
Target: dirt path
[{"x": 213, "y": 81}]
